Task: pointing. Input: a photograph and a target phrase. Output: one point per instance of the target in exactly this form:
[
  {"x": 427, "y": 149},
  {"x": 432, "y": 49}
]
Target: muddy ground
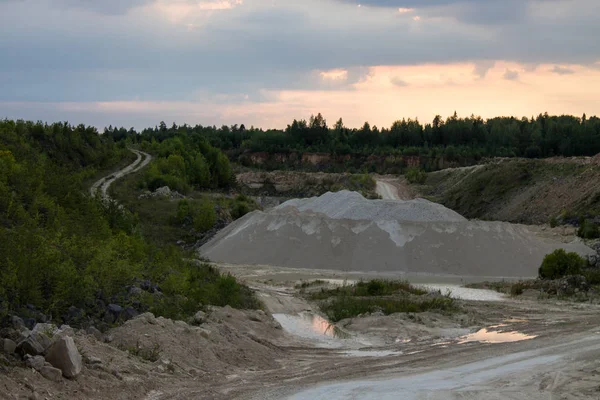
[{"x": 235, "y": 354}]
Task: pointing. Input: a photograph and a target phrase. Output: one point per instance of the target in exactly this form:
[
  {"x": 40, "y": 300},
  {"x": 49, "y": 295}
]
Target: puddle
[
  {"x": 371, "y": 353},
  {"x": 310, "y": 326},
  {"x": 487, "y": 336},
  {"x": 463, "y": 293}
]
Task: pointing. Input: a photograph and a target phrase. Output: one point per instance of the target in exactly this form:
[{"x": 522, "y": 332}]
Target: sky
[{"x": 134, "y": 63}]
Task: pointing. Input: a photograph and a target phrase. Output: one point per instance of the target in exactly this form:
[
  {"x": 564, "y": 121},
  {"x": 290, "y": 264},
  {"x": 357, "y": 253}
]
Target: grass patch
[
  {"x": 373, "y": 287},
  {"x": 347, "y": 306},
  {"x": 385, "y": 296}
]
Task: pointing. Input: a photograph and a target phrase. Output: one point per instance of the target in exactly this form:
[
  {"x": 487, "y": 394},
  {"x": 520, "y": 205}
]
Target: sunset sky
[{"x": 134, "y": 63}]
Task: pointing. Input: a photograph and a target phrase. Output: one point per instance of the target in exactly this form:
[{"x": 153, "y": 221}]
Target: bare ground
[{"x": 246, "y": 355}]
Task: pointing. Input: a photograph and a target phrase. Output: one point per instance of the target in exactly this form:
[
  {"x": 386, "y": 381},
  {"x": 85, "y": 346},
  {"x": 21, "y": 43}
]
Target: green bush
[
  {"x": 241, "y": 206},
  {"x": 588, "y": 230},
  {"x": 200, "y": 214},
  {"x": 415, "y": 175},
  {"x": 560, "y": 263}
]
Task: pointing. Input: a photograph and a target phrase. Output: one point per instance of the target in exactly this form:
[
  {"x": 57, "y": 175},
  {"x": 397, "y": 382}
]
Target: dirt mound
[{"x": 389, "y": 238}]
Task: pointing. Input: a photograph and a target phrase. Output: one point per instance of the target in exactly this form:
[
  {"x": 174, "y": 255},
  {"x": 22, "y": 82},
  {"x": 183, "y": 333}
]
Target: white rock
[{"x": 63, "y": 354}]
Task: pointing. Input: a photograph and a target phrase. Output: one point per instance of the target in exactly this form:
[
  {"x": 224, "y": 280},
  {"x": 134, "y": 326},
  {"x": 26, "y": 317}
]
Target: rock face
[{"x": 63, "y": 354}]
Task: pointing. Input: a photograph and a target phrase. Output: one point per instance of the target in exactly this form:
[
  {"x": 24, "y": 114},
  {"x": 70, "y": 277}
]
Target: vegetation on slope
[
  {"x": 67, "y": 255},
  {"x": 521, "y": 191},
  {"x": 384, "y": 296}
]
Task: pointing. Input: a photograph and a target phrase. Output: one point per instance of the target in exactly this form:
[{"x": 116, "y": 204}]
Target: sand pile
[
  {"x": 343, "y": 231},
  {"x": 352, "y": 205}
]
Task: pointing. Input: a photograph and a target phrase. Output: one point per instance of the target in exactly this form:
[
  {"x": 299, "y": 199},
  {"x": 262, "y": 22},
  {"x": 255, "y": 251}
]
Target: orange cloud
[{"x": 426, "y": 90}]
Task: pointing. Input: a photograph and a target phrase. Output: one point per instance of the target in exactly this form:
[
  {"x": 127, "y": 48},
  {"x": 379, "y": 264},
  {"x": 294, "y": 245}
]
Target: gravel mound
[
  {"x": 343, "y": 231},
  {"x": 352, "y": 205}
]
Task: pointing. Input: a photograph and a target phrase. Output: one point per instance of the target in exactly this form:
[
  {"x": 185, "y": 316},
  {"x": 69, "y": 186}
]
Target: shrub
[
  {"x": 516, "y": 289},
  {"x": 241, "y": 206},
  {"x": 588, "y": 230},
  {"x": 553, "y": 222},
  {"x": 200, "y": 214},
  {"x": 415, "y": 175},
  {"x": 560, "y": 263}
]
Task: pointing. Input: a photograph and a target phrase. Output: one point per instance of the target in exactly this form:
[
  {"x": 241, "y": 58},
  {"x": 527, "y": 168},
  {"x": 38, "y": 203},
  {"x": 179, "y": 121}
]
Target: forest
[{"x": 454, "y": 138}]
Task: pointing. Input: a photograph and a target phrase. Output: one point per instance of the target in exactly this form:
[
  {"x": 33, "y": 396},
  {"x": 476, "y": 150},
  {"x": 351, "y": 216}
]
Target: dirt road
[
  {"x": 103, "y": 184},
  {"x": 391, "y": 187},
  {"x": 387, "y": 191}
]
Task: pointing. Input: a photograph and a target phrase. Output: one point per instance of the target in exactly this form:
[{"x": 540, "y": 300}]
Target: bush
[
  {"x": 241, "y": 206},
  {"x": 516, "y": 289},
  {"x": 200, "y": 214},
  {"x": 588, "y": 230},
  {"x": 560, "y": 263},
  {"x": 415, "y": 175}
]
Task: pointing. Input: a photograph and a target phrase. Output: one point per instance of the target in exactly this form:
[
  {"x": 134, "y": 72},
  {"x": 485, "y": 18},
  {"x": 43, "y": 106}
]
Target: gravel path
[{"x": 142, "y": 160}]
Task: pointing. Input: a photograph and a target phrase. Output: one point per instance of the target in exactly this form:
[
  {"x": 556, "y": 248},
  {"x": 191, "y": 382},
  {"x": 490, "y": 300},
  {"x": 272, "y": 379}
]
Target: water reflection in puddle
[
  {"x": 310, "y": 326},
  {"x": 459, "y": 292},
  {"x": 487, "y": 336}
]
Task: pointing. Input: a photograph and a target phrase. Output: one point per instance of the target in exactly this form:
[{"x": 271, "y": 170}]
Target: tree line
[{"x": 453, "y": 138}]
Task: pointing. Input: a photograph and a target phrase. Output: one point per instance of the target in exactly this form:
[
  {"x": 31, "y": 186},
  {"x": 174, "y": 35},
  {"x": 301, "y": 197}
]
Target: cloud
[
  {"x": 482, "y": 68},
  {"x": 511, "y": 75},
  {"x": 186, "y": 50},
  {"x": 562, "y": 70},
  {"x": 398, "y": 82}
]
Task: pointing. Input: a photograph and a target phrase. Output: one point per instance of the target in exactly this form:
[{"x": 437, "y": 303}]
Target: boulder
[
  {"x": 135, "y": 291},
  {"x": 35, "y": 362},
  {"x": 51, "y": 373},
  {"x": 17, "y": 323},
  {"x": 63, "y": 354},
  {"x": 94, "y": 332},
  {"x": 199, "y": 318},
  {"x": 8, "y": 346},
  {"x": 114, "y": 309},
  {"x": 47, "y": 329},
  {"x": 129, "y": 313},
  {"x": 30, "y": 346},
  {"x": 65, "y": 330}
]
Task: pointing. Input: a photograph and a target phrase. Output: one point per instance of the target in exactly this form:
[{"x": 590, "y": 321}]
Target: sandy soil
[{"x": 247, "y": 355}]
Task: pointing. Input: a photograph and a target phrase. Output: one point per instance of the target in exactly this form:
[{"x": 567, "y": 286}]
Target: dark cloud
[
  {"x": 58, "y": 54},
  {"x": 111, "y": 7},
  {"x": 562, "y": 70},
  {"x": 511, "y": 75}
]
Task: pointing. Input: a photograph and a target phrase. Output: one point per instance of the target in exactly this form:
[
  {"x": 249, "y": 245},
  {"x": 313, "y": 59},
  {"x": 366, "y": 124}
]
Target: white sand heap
[{"x": 345, "y": 231}]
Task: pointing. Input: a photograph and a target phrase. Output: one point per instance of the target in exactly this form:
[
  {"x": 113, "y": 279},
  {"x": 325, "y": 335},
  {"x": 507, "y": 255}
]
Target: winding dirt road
[{"x": 142, "y": 160}]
